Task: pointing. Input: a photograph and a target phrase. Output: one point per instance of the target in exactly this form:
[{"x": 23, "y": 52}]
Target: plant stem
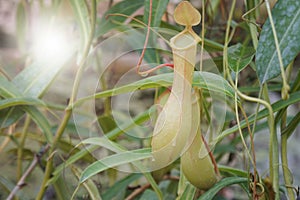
[
  {"x": 21, "y": 147},
  {"x": 285, "y": 167},
  {"x": 107, "y": 106},
  {"x": 227, "y": 39},
  {"x": 21, "y": 181},
  {"x": 284, "y": 137},
  {"x": 251, "y": 7},
  {"x": 285, "y": 87},
  {"x": 273, "y": 151},
  {"x": 240, "y": 130},
  {"x": 68, "y": 111},
  {"x": 202, "y": 35},
  {"x": 49, "y": 165}
]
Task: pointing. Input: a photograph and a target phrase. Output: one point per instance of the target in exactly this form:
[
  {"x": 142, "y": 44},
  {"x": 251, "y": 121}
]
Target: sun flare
[{"x": 50, "y": 45}]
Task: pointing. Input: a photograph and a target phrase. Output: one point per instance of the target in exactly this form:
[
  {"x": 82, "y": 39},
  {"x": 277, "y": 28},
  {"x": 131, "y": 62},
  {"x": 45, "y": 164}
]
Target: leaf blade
[
  {"x": 239, "y": 56},
  {"x": 286, "y": 16},
  {"x": 205, "y": 80},
  {"x": 158, "y": 9},
  {"x": 221, "y": 184},
  {"x": 81, "y": 11},
  {"x": 126, "y": 7},
  {"x": 120, "y": 185},
  {"x": 113, "y": 161}
]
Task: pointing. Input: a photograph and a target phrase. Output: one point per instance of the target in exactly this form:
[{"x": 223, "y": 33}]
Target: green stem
[
  {"x": 285, "y": 87},
  {"x": 49, "y": 165},
  {"x": 238, "y": 123},
  {"x": 285, "y": 167},
  {"x": 284, "y": 137},
  {"x": 21, "y": 147},
  {"x": 273, "y": 146},
  {"x": 68, "y": 111},
  {"x": 251, "y": 7},
  {"x": 274, "y": 152},
  {"x": 107, "y": 106},
  {"x": 227, "y": 39},
  {"x": 202, "y": 35}
]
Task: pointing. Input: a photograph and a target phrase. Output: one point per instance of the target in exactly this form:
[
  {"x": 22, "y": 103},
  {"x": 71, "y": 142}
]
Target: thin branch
[
  {"x": 137, "y": 192},
  {"x": 21, "y": 183}
]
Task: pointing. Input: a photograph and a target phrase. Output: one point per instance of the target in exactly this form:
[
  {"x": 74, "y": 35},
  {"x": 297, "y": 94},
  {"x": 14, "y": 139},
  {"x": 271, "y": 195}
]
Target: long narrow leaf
[
  {"x": 120, "y": 186},
  {"x": 89, "y": 185},
  {"x": 8, "y": 89},
  {"x": 189, "y": 192},
  {"x": 113, "y": 161},
  {"x": 77, "y": 156},
  {"x": 222, "y": 184},
  {"x": 8, "y": 186},
  {"x": 41, "y": 121},
  {"x": 204, "y": 80},
  {"x": 6, "y": 103},
  {"x": 81, "y": 12},
  {"x": 108, "y": 144},
  {"x": 36, "y": 78}
]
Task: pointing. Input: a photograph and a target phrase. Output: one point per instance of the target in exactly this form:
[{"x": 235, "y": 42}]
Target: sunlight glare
[{"x": 50, "y": 45}]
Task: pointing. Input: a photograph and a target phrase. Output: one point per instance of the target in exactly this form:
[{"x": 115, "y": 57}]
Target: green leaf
[
  {"x": 60, "y": 188},
  {"x": 82, "y": 14},
  {"x": 113, "y": 161},
  {"x": 239, "y": 56},
  {"x": 153, "y": 184},
  {"x": 32, "y": 82},
  {"x": 9, "y": 116},
  {"x": 77, "y": 156},
  {"x": 10, "y": 102},
  {"x": 108, "y": 23},
  {"x": 89, "y": 185},
  {"x": 204, "y": 80},
  {"x": 7, "y": 186},
  {"x": 8, "y": 89},
  {"x": 21, "y": 25},
  {"x": 293, "y": 124},
  {"x": 148, "y": 195},
  {"x": 286, "y": 16},
  {"x": 139, "y": 119},
  {"x": 158, "y": 10},
  {"x": 232, "y": 171},
  {"x": 120, "y": 186},
  {"x": 36, "y": 78},
  {"x": 107, "y": 123},
  {"x": 281, "y": 104},
  {"x": 137, "y": 40},
  {"x": 189, "y": 192},
  {"x": 41, "y": 121},
  {"x": 104, "y": 142},
  {"x": 27, "y": 154},
  {"x": 220, "y": 185}
]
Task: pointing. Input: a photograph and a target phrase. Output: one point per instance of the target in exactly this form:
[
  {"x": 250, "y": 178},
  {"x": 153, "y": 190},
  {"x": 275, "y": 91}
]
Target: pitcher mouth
[{"x": 184, "y": 40}]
